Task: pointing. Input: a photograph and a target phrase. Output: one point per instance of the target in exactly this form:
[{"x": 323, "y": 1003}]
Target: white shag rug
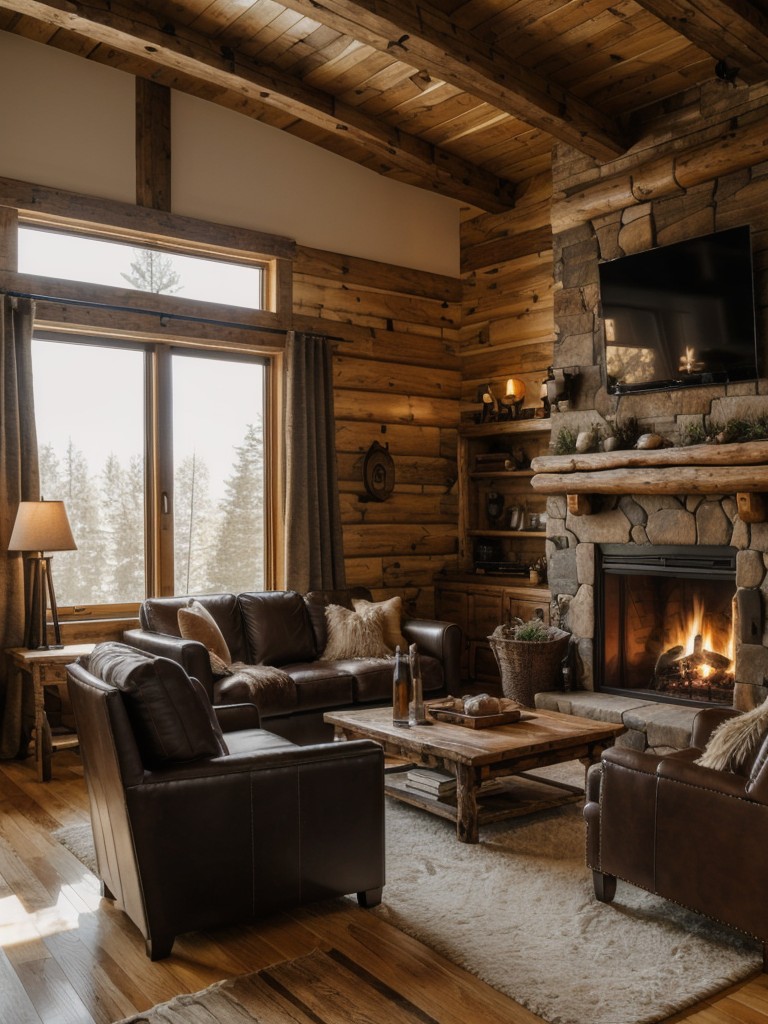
[{"x": 518, "y": 910}]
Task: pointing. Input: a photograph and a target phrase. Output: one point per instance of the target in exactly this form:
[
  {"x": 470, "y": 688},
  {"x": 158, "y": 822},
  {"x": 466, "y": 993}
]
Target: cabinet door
[
  {"x": 526, "y": 608},
  {"x": 484, "y": 609},
  {"x": 483, "y": 668},
  {"x": 451, "y": 606}
]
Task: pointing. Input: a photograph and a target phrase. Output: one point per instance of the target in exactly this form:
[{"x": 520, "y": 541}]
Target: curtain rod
[{"x": 164, "y": 316}]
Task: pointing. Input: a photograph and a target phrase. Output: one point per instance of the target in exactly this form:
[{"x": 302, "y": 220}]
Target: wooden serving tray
[{"x": 476, "y": 721}]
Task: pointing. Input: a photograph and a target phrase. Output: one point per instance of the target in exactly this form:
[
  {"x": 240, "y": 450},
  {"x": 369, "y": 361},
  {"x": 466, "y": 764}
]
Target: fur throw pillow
[
  {"x": 197, "y": 623},
  {"x": 354, "y": 634},
  {"x": 734, "y": 744},
  {"x": 393, "y": 614}
]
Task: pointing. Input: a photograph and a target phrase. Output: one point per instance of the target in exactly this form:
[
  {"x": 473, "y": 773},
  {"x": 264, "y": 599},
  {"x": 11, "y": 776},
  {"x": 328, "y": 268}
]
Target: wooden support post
[
  {"x": 153, "y": 145},
  {"x": 752, "y": 507},
  {"x": 579, "y": 504},
  {"x": 9, "y": 239}
]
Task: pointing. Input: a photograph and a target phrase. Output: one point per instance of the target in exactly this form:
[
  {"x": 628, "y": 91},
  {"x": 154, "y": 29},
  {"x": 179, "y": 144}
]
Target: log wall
[
  {"x": 398, "y": 382},
  {"x": 507, "y": 327}
]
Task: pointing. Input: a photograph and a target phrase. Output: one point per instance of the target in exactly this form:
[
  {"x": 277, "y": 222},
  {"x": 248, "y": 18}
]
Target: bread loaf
[{"x": 482, "y": 704}]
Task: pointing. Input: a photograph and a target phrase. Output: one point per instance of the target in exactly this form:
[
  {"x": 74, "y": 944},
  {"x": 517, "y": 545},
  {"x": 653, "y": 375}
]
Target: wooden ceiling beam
[
  {"x": 732, "y": 31},
  {"x": 420, "y": 35},
  {"x": 133, "y": 30}
]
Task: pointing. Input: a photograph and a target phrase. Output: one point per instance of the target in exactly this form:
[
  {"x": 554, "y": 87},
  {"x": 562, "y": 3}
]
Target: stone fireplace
[
  {"x": 642, "y": 526},
  {"x": 712, "y": 496}
]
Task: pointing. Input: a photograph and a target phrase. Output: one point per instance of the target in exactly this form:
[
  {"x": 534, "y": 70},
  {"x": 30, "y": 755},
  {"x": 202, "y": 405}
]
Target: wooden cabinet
[
  {"x": 500, "y": 521},
  {"x": 478, "y": 608},
  {"x": 495, "y": 477}
]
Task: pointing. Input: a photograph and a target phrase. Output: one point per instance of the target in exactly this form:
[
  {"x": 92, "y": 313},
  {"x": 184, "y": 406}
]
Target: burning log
[{"x": 669, "y": 660}]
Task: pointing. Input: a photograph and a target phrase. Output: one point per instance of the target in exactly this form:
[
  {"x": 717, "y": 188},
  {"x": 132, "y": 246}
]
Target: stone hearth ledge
[{"x": 658, "y": 728}]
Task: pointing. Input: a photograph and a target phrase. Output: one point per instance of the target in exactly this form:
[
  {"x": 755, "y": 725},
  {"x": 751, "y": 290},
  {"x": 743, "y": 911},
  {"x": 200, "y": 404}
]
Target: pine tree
[
  {"x": 192, "y": 526},
  {"x": 79, "y": 575},
  {"x": 238, "y": 562},
  {"x": 153, "y": 272},
  {"x": 122, "y": 504}
]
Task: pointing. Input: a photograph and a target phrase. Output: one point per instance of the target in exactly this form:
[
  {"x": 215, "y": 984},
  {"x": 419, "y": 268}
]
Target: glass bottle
[
  {"x": 401, "y": 691},
  {"x": 417, "y": 715}
]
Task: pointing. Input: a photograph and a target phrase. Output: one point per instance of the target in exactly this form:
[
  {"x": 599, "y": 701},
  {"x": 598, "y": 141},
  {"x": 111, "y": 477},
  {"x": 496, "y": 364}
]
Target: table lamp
[{"x": 41, "y": 526}]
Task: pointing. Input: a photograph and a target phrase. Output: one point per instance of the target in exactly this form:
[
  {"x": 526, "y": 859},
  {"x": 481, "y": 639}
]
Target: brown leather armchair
[
  {"x": 687, "y": 833},
  {"x": 201, "y": 818}
]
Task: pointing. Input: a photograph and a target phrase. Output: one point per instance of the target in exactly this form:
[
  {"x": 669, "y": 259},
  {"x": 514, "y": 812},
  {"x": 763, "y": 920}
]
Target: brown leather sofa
[
  {"x": 201, "y": 818},
  {"x": 685, "y": 832},
  {"x": 287, "y": 630}
]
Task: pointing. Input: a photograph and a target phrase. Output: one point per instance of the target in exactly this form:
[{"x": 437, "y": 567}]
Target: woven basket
[{"x": 529, "y": 666}]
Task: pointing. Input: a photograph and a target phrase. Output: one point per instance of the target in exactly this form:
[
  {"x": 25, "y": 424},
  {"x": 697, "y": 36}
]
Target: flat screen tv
[{"x": 680, "y": 315}]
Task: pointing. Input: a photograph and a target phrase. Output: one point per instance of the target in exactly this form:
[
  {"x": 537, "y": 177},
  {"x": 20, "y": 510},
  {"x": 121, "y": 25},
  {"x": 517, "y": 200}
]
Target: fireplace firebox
[{"x": 664, "y": 622}]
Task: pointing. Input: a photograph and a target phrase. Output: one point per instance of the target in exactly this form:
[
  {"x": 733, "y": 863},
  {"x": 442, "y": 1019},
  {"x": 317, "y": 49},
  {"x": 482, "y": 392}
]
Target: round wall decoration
[{"x": 378, "y": 472}]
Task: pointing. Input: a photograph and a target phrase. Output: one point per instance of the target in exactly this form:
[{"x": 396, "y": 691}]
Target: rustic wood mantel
[{"x": 740, "y": 469}]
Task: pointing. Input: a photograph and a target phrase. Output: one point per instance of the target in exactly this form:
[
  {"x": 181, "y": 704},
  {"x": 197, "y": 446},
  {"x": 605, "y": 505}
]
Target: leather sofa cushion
[
  {"x": 277, "y": 628},
  {"x": 372, "y": 677},
  {"x": 253, "y": 741},
  {"x": 320, "y": 686},
  {"x": 171, "y": 717},
  {"x": 161, "y": 615}
]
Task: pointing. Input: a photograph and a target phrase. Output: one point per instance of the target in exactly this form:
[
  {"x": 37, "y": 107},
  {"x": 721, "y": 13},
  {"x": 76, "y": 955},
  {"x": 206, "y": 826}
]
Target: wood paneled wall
[
  {"x": 398, "y": 382},
  {"x": 507, "y": 325}
]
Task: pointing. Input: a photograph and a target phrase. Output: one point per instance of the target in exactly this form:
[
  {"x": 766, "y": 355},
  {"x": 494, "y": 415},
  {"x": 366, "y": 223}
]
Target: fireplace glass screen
[{"x": 666, "y": 622}]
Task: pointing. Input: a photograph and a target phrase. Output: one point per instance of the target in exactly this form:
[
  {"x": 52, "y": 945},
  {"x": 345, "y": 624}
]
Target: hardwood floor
[{"x": 69, "y": 957}]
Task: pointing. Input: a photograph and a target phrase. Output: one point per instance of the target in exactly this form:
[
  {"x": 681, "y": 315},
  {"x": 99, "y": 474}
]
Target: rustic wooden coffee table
[{"x": 477, "y": 756}]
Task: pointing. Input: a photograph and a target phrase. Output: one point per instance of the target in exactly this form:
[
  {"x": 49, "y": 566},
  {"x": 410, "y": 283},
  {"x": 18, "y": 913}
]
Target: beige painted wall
[
  {"x": 70, "y": 124},
  {"x": 65, "y": 122}
]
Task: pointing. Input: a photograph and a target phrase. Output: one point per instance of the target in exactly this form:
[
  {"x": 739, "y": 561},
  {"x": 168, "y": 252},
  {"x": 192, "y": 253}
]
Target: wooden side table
[{"x": 46, "y": 668}]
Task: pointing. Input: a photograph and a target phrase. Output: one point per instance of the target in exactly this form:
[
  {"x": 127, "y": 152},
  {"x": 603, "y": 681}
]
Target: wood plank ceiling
[{"x": 463, "y": 97}]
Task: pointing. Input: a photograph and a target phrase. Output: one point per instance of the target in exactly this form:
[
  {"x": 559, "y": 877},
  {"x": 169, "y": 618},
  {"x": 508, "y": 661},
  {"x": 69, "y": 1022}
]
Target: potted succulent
[{"x": 529, "y": 655}]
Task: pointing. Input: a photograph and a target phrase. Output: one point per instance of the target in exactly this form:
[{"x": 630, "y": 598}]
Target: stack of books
[{"x": 431, "y": 782}]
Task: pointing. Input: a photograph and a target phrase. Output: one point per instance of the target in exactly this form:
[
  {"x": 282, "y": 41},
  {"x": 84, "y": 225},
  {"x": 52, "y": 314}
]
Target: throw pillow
[
  {"x": 354, "y": 634},
  {"x": 197, "y": 623},
  {"x": 393, "y": 614},
  {"x": 735, "y": 742}
]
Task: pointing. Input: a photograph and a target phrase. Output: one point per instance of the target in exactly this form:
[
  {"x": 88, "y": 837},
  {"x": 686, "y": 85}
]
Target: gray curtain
[
  {"x": 19, "y": 481},
  {"x": 314, "y": 553}
]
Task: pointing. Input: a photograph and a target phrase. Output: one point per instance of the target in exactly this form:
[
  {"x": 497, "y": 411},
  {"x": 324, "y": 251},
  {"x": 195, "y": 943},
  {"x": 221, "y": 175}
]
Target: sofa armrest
[
  {"x": 191, "y": 655},
  {"x": 441, "y": 640},
  {"x": 234, "y": 717}
]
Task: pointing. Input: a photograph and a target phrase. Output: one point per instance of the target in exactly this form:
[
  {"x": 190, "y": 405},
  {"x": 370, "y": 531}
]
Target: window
[
  {"x": 159, "y": 454},
  {"x": 99, "y": 261}
]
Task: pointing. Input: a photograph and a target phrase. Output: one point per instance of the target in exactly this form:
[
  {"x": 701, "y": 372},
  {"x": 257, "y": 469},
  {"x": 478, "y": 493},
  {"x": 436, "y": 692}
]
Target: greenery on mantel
[{"x": 733, "y": 431}]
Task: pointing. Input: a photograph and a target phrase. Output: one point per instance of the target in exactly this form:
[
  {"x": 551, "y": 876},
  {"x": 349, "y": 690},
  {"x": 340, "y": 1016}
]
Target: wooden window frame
[{"x": 166, "y": 321}]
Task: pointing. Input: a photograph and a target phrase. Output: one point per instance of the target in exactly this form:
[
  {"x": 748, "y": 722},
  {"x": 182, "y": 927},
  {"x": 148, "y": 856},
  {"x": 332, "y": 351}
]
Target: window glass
[
  {"x": 97, "y": 261},
  {"x": 89, "y": 409},
  {"x": 218, "y": 457}
]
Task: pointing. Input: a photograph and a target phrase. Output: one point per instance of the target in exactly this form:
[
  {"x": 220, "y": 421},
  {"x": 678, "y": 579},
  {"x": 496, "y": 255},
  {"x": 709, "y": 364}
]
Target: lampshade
[
  {"x": 42, "y": 526},
  {"x": 515, "y": 389}
]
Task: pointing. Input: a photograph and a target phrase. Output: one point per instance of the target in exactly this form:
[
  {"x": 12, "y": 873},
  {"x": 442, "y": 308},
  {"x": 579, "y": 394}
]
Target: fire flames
[{"x": 699, "y": 661}]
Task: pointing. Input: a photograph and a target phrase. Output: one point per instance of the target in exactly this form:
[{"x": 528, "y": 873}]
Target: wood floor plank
[
  {"x": 15, "y": 1004},
  {"x": 70, "y": 957}
]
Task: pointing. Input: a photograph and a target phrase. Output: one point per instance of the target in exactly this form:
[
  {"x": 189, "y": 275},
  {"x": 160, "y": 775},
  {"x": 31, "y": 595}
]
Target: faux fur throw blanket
[
  {"x": 734, "y": 744},
  {"x": 266, "y": 686}
]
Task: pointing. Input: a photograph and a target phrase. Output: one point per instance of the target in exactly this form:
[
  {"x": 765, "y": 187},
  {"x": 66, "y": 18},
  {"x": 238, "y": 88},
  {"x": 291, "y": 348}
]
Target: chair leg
[
  {"x": 605, "y": 886},
  {"x": 369, "y": 898},
  {"x": 159, "y": 947}
]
